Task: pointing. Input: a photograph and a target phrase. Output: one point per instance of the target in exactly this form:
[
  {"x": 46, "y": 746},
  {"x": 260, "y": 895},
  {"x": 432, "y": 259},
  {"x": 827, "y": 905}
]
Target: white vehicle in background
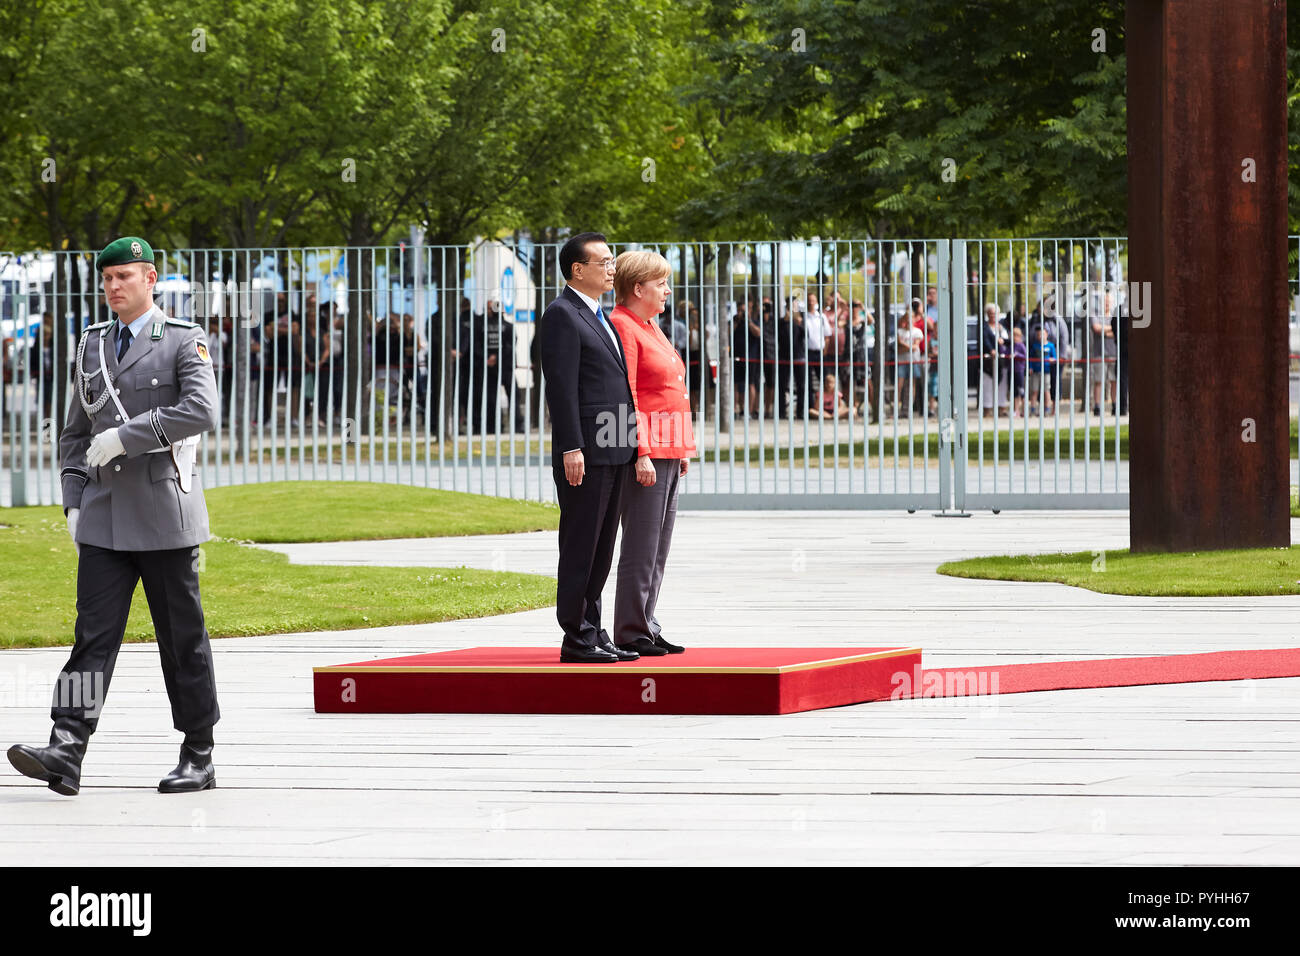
[
  {"x": 175, "y": 295},
  {"x": 23, "y": 284},
  {"x": 496, "y": 272},
  {"x": 321, "y": 273},
  {"x": 179, "y": 296}
]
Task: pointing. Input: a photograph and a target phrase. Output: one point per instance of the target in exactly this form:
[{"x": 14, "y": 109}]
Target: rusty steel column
[{"x": 1207, "y": 209}]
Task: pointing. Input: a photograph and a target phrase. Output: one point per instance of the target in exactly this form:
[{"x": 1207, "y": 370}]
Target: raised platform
[{"x": 531, "y": 680}]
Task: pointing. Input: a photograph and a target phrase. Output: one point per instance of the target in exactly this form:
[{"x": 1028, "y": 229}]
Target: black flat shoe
[
  {"x": 670, "y": 648},
  {"x": 576, "y": 654},
  {"x": 622, "y": 653},
  {"x": 645, "y": 647}
]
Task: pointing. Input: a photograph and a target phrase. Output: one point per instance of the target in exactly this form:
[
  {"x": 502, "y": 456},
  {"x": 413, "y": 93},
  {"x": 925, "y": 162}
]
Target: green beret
[{"x": 121, "y": 251}]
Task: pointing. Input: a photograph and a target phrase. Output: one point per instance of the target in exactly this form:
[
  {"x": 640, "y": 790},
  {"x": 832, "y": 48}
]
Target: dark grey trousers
[
  {"x": 648, "y": 516},
  {"x": 106, "y": 582}
]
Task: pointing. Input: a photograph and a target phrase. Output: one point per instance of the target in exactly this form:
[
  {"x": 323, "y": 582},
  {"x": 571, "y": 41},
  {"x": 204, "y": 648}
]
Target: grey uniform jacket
[{"x": 169, "y": 392}]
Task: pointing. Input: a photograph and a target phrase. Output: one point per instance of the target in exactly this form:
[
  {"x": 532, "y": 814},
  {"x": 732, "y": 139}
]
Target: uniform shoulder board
[
  {"x": 98, "y": 325},
  {"x": 181, "y": 322}
]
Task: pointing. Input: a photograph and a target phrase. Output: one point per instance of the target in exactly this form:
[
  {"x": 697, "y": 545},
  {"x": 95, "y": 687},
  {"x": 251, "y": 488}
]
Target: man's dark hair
[{"x": 575, "y": 250}]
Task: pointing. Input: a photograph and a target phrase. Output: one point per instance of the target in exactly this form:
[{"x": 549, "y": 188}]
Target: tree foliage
[
  {"x": 300, "y": 122},
  {"x": 864, "y": 107}
]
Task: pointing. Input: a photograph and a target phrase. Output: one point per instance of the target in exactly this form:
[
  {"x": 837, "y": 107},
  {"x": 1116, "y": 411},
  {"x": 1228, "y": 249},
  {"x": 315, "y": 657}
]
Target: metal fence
[{"x": 815, "y": 381}]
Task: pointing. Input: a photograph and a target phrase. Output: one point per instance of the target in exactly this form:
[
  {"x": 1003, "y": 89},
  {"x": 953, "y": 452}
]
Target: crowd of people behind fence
[
  {"x": 820, "y": 360},
  {"x": 801, "y": 357}
]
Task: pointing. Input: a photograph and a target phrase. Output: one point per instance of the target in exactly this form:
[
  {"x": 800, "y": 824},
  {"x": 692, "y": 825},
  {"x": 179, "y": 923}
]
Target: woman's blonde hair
[{"x": 633, "y": 267}]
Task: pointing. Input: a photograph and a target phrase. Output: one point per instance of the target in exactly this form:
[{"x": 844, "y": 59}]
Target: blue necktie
[
  {"x": 600, "y": 314},
  {"x": 123, "y": 342}
]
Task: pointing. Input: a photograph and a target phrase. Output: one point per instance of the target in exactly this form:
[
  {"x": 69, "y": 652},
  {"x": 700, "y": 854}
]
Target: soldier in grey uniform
[{"x": 135, "y": 509}]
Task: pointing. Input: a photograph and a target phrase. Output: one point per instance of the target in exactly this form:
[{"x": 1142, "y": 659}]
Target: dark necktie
[{"x": 123, "y": 342}]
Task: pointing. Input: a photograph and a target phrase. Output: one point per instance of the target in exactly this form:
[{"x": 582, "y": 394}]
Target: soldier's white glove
[
  {"x": 72, "y": 527},
  {"x": 104, "y": 447}
]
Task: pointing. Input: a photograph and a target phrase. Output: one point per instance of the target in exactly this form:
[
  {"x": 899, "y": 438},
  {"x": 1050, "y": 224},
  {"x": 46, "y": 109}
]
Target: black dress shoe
[
  {"x": 194, "y": 772},
  {"x": 622, "y": 653},
  {"x": 59, "y": 764},
  {"x": 578, "y": 654},
  {"x": 670, "y": 648},
  {"x": 645, "y": 647}
]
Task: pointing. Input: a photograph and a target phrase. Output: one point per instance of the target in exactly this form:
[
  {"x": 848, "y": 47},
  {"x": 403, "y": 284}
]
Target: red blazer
[{"x": 658, "y": 380}]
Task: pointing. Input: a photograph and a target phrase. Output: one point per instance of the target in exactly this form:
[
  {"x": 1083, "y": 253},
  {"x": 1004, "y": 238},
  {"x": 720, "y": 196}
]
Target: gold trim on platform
[{"x": 622, "y": 668}]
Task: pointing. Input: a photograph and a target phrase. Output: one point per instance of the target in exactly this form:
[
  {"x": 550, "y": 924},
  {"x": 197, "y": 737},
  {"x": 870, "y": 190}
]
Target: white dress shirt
[
  {"x": 594, "y": 305},
  {"x": 817, "y": 326}
]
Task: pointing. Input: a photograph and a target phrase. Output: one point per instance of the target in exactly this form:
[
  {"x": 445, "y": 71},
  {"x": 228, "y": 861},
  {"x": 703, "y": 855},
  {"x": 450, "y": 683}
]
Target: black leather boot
[
  {"x": 59, "y": 764},
  {"x": 194, "y": 772}
]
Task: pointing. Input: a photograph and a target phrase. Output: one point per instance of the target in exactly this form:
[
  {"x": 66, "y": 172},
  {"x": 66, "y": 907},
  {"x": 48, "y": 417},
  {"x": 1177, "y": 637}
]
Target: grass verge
[
  {"x": 283, "y": 511},
  {"x": 247, "y": 590},
  {"x": 1088, "y": 443},
  {"x": 1254, "y": 571}
]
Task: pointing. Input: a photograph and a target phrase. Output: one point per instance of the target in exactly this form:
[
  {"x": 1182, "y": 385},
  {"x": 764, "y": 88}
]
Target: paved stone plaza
[{"x": 1175, "y": 774}]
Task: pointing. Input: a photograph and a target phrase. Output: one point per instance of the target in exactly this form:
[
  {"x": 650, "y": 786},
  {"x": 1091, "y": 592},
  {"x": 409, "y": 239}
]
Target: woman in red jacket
[{"x": 665, "y": 441}]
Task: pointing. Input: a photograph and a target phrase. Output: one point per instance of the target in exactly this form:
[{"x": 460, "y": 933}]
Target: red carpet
[
  {"x": 734, "y": 680},
  {"x": 531, "y": 680},
  {"x": 1108, "y": 672}
]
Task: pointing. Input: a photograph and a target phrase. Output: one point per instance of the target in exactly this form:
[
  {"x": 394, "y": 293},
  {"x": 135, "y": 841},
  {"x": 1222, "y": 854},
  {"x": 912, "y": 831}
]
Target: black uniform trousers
[
  {"x": 106, "y": 581},
  {"x": 589, "y": 516}
]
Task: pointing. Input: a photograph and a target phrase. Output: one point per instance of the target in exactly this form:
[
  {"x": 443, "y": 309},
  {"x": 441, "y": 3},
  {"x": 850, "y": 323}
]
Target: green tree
[
  {"x": 79, "y": 157},
  {"x": 874, "y": 104},
  {"x": 211, "y": 122},
  {"x": 556, "y": 106},
  {"x": 289, "y": 114}
]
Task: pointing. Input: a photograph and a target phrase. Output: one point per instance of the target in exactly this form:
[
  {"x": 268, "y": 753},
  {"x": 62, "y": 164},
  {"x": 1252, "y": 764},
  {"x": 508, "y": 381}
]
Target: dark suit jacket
[{"x": 586, "y": 385}]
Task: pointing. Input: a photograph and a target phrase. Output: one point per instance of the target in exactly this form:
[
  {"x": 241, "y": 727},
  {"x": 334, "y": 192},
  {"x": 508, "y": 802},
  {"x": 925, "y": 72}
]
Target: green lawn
[
  {"x": 1193, "y": 574},
  {"x": 1088, "y": 442},
  {"x": 282, "y": 511},
  {"x": 248, "y": 590}
]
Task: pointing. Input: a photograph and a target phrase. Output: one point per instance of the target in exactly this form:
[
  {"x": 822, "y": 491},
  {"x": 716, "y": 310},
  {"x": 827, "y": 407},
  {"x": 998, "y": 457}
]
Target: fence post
[
  {"x": 20, "y": 418},
  {"x": 954, "y": 370},
  {"x": 943, "y": 248}
]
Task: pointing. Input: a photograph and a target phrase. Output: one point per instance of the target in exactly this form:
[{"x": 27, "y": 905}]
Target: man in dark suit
[{"x": 593, "y": 440}]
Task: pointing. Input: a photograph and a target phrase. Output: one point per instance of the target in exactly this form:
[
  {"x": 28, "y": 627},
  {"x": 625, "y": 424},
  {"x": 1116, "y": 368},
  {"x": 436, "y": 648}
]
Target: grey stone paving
[{"x": 1175, "y": 774}]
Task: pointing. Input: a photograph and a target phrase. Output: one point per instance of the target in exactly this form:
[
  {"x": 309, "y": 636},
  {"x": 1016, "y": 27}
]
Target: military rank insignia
[{"x": 203, "y": 351}]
